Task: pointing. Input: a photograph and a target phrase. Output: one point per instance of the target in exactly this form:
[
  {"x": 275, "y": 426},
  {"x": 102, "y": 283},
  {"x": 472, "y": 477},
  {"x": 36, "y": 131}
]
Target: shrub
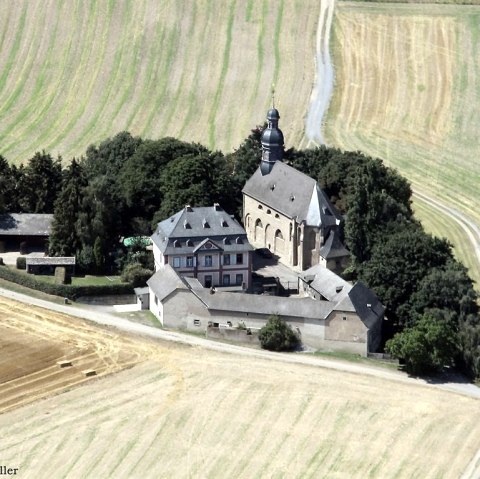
[
  {"x": 21, "y": 262},
  {"x": 277, "y": 335},
  {"x": 1, "y": 262},
  {"x": 136, "y": 274},
  {"x": 65, "y": 291}
]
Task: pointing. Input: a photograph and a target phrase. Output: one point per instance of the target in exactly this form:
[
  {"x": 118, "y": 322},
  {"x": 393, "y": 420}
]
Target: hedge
[{"x": 63, "y": 290}]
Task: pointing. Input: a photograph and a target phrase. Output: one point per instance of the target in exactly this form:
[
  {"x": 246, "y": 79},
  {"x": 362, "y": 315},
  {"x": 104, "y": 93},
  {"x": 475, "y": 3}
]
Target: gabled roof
[
  {"x": 263, "y": 304},
  {"x": 333, "y": 247},
  {"x": 326, "y": 282},
  {"x": 357, "y": 298},
  {"x": 366, "y": 304},
  {"x": 165, "y": 281},
  {"x": 208, "y": 245},
  {"x": 26, "y": 224},
  {"x": 293, "y": 194}
]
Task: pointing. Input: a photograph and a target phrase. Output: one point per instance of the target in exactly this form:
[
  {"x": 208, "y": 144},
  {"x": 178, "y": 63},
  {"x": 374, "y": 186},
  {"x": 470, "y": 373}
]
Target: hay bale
[
  {"x": 89, "y": 372},
  {"x": 65, "y": 363}
]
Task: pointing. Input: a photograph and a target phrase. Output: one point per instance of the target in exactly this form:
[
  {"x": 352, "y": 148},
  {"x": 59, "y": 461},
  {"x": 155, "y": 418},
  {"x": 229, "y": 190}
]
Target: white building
[{"x": 204, "y": 243}]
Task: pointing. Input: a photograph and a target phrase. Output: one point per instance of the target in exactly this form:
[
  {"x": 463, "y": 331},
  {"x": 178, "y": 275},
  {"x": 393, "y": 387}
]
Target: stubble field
[
  {"x": 408, "y": 90},
  {"x": 189, "y": 412},
  {"x": 73, "y": 72}
]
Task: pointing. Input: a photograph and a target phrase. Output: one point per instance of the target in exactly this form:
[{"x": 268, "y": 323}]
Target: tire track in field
[{"x": 471, "y": 229}]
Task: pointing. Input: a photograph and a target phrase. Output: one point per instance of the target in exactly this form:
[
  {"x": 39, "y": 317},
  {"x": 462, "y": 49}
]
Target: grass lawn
[{"x": 356, "y": 358}]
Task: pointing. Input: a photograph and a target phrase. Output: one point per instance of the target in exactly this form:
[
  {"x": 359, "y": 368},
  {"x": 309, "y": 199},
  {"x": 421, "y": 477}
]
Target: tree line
[{"x": 125, "y": 185}]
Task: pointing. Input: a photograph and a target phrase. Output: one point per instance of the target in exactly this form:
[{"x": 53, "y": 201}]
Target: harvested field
[
  {"x": 189, "y": 412},
  {"x": 75, "y": 72},
  {"x": 408, "y": 91},
  {"x": 33, "y": 341}
]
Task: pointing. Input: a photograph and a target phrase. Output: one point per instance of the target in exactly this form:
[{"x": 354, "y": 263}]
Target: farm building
[
  {"x": 24, "y": 232},
  {"x": 205, "y": 243},
  {"x": 287, "y": 212},
  {"x": 352, "y": 322}
]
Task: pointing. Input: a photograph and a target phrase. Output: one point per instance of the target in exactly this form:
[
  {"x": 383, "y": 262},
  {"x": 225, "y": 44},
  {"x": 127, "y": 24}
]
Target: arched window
[
  {"x": 278, "y": 234},
  {"x": 258, "y": 223}
]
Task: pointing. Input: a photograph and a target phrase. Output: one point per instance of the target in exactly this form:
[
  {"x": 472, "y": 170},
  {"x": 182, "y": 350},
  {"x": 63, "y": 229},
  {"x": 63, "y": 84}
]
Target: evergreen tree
[
  {"x": 64, "y": 240},
  {"x": 40, "y": 184}
]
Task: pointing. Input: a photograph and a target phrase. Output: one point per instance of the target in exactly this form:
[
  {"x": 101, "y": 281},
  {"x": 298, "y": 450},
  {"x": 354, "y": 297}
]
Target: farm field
[
  {"x": 73, "y": 72},
  {"x": 33, "y": 340},
  {"x": 189, "y": 412},
  {"x": 408, "y": 91}
]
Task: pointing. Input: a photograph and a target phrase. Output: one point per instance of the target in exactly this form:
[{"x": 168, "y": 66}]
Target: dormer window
[
  {"x": 189, "y": 242},
  {"x": 205, "y": 223},
  {"x": 226, "y": 240},
  {"x": 224, "y": 223},
  {"x": 176, "y": 244},
  {"x": 186, "y": 225},
  {"x": 292, "y": 198},
  {"x": 338, "y": 289},
  {"x": 239, "y": 240},
  {"x": 272, "y": 187}
]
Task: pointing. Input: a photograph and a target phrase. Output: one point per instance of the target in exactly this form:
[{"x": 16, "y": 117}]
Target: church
[{"x": 287, "y": 212}]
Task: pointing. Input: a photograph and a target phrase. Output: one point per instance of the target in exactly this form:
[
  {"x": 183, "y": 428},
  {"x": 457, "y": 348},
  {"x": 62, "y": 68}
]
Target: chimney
[
  {"x": 217, "y": 207},
  {"x": 188, "y": 208}
]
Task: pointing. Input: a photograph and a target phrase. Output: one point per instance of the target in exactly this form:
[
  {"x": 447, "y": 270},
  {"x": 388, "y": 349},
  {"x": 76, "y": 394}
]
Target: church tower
[{"x": 272, "y": 142}]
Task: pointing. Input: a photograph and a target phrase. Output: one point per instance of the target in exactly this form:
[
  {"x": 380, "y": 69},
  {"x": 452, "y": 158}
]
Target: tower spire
[{"x": 272, "y": 139}]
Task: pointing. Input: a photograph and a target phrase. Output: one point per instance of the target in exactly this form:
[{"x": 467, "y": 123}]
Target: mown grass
[
  {"x": 444, "y": 226},
  {"x": 356, "y": 358}
]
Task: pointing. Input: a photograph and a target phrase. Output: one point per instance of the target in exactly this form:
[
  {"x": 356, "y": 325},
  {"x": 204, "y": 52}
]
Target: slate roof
[
  {"x": 165, "y": 281},
  {"x": 192, "y": 226},
  {"x": 263, "y": 304},
  {"x": 26, "y": 224},
  {"x": 333, "y": 247},
  {"x": 357, "y": 298},
  {"x": 366, "y": 304},
  {"x": 293, "y": 194},
  {"x": 326, "y": 282}
]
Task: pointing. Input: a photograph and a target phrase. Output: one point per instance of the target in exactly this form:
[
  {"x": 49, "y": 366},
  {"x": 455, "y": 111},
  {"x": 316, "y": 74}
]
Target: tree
[
  {"x": 401, "y": 257},
  {"x": 277, "y": 335},
  {"x": 141, "y": 176},
  {"x": 428, "y": 346},
  {"x": 40, "y": 184},
  {"x": 196, "y": 180},
  {"x": 64, "y": 240}
]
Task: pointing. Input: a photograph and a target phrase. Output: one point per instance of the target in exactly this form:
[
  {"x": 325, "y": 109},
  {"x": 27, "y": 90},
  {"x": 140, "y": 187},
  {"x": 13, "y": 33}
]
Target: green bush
[
  {"x": 277, "y": 335},
  {"x": 21, "y": 262},
  {"x": 136, "y": 275},
  {"x": 63, "y": 290}
]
